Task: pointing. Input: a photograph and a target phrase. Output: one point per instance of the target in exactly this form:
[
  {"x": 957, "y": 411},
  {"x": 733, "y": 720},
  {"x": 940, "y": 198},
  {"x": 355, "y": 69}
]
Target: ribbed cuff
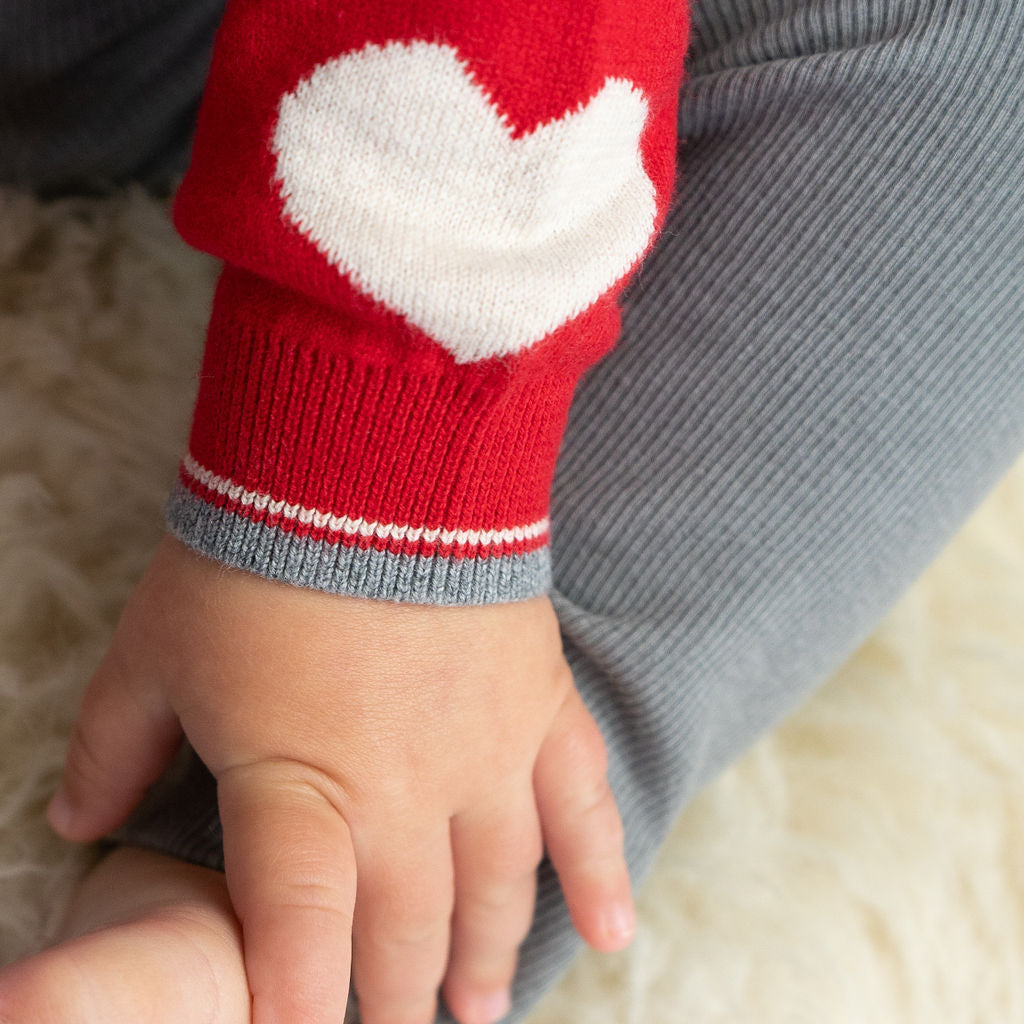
[
  {"x": 356, "y": 568},
  {"x": 336, "y": 460}
]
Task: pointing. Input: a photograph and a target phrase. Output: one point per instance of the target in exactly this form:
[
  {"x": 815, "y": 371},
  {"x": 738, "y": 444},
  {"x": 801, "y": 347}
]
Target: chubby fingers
[
  {"x": 402, "y": 917},
  {"x": 582, "y": 828},
  {"x": 125, "y": 735},
  {"x": 496, "y": 850},
  {"x": 291, "y": 873}
]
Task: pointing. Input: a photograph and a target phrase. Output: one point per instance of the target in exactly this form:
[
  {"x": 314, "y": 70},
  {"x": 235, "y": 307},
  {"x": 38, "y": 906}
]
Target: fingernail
[
  {"x": 620, "y": 923},
  {"x": 59, "y": 812},
  {"x": 487, "y": 1009}
]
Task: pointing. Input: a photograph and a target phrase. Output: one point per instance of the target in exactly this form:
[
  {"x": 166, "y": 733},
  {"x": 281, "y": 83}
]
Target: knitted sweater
[{"x": 427, "y": 210}]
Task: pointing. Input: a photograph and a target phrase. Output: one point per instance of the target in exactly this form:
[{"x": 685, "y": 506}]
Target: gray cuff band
[{"x": 277, "y": 554}]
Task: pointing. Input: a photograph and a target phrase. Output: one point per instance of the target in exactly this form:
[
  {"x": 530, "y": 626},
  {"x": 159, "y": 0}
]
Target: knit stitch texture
[{"x": 427, "y": 214}]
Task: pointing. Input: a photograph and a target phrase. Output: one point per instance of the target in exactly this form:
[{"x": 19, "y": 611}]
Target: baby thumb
[{"x": 125, "y": 735}]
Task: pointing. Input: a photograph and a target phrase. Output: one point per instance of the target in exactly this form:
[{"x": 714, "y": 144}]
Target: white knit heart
[{"x": 397, "y": 166}]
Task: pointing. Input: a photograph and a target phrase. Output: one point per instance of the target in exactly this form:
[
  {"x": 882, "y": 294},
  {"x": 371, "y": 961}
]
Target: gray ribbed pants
[{"x": 821, "y": 372}]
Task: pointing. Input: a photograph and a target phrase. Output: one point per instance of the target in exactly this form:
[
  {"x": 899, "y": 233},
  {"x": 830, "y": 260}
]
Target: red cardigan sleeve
[{"x": 427, "y": 212}]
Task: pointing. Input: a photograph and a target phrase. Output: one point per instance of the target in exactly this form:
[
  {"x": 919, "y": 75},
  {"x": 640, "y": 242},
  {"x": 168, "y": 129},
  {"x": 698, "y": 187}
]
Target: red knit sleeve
[{"x": 426, "y": 212}]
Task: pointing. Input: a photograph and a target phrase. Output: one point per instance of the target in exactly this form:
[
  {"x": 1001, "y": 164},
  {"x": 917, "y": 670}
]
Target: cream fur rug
[{"x": 863, "y": 863}]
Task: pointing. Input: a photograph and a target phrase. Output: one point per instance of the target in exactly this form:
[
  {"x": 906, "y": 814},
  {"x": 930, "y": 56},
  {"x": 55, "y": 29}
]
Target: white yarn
[{"x": 487, "y": 253}]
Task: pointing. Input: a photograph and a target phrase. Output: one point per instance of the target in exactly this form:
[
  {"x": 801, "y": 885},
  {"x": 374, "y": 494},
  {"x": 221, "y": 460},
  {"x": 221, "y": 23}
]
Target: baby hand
[{"x": 388, "y": 778}]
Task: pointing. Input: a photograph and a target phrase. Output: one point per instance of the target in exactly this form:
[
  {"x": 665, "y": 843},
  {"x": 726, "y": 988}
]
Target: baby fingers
[
  {"x": 125, "y": 735},
  {"x": 582, "y": 828},
  {"x": 291, "y": 873},
  {"x": 402, "y": 921},
  {"x": 496, "y": 852}
]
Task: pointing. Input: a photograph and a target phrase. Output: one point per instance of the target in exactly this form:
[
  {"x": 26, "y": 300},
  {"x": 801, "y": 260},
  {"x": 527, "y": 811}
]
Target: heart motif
[{"x": 396, "y": 164}]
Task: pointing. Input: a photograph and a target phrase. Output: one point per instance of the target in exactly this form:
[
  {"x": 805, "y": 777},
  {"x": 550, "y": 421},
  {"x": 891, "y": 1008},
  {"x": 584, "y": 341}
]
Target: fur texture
[{"x": 864, "y": 862}]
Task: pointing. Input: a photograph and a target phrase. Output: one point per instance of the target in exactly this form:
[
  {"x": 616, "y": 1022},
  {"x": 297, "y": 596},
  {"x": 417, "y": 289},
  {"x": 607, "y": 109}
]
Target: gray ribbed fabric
[
  {"x": 821, "y": 375},
  {"x": 337, "y": 568},
  {"x": 93, "y": 94}
]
